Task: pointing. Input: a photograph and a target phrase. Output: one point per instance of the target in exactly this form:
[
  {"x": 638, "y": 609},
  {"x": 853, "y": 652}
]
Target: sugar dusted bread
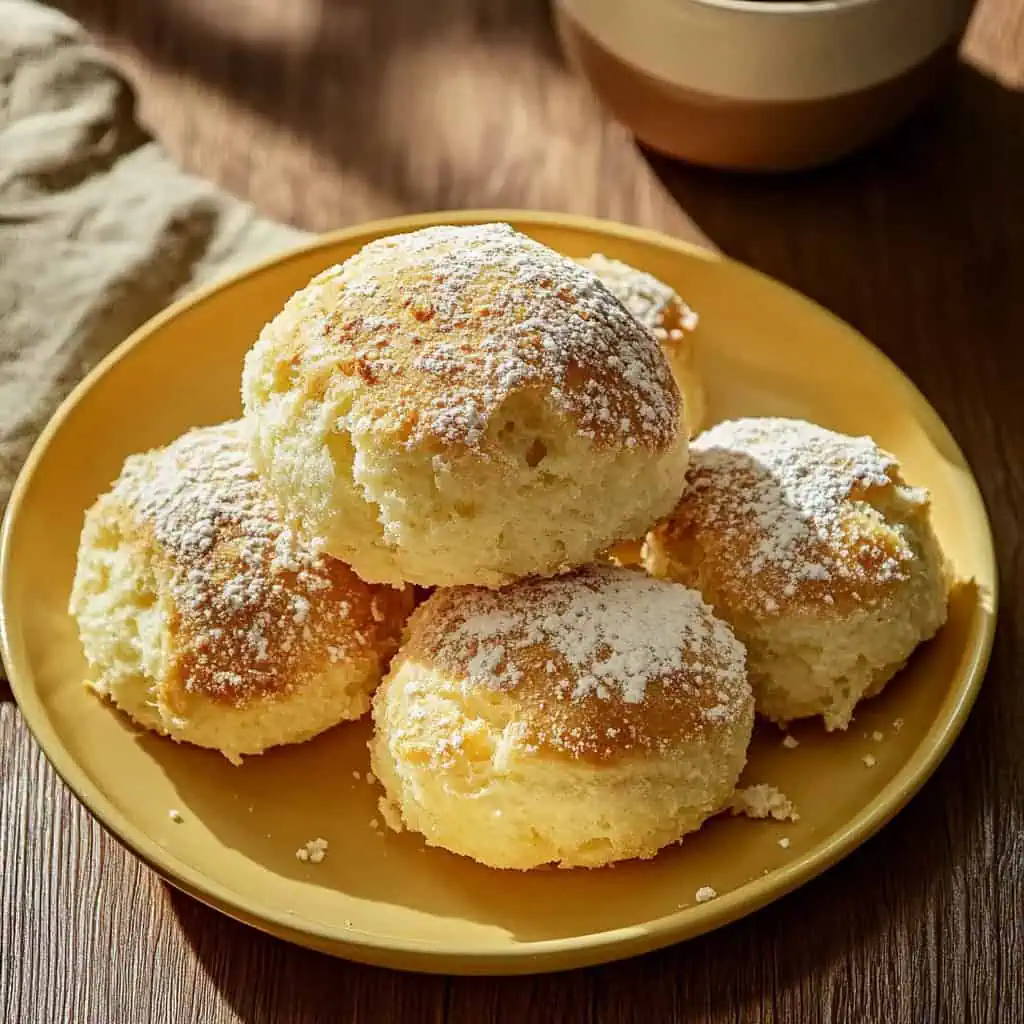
[
  {"x": 812, "y": 546},
  {"x": 462, "y": 405},
  {"x": 207, "y": 620},
  {"x": 578, "y": 721}
]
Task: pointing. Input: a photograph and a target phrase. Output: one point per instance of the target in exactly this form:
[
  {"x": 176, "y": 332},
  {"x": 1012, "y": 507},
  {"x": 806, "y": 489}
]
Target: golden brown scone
[
  {"x": 463, "y": 405},
  {"x": 579, "y": 720},
  {"x": 206, "y": 620},
  {"x": 813, "y": 548},
  {"x": 670, "y": 320}
]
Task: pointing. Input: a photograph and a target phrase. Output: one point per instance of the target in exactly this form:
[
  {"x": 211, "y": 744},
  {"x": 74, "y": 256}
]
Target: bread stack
[{"x": 465, "y": 410}]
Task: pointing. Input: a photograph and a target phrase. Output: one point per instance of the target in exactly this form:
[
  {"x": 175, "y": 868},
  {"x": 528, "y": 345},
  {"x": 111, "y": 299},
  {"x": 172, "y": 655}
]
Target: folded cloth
[{"x": 98, "y": 229}]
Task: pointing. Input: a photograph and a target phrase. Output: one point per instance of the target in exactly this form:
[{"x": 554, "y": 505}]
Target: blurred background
[{"x": 324, "y": 113}]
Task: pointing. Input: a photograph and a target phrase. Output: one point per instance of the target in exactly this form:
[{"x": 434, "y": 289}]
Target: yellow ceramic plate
[{"x": 386, "y": 899}]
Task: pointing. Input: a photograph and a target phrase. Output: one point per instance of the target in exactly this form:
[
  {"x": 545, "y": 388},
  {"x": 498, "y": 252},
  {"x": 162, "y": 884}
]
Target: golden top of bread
[
  {"x": 782, "y": 516},
  {"x": 594, "y": 665},
  {"x": 433, "y": 332},
  {"x": 255, "y": 612}
]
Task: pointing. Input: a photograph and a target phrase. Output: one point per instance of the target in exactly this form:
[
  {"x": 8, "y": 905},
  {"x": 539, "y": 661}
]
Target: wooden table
[{"x": 327, "y": 112}]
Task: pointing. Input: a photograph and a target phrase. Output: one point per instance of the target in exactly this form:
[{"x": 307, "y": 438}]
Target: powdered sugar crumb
[
  {"x": 706, "y": 893},
  {"x": 313, "y": 851},
  {"x": 764, "y": 801}
]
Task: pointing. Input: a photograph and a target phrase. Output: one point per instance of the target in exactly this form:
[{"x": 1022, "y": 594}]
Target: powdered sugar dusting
[
  {"x": 252, "y": 600},
  {"x": 601, "y": 634},
  {"x": 446, "y": 323},
  {"x": 651, "y": 301},
  {"x": 785, "y": 487}
]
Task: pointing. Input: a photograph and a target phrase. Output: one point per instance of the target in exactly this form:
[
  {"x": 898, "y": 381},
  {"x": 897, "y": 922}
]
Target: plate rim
[{"x": 545, "y": 954}]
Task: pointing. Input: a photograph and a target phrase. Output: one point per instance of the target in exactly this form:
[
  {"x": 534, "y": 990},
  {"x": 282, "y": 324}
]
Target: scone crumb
[
  {"x": 784, "y": 842},
  {"x": 763, "y": 801},
  {"x": 313, "y": 851},
  {"x": 878, "y": 736},
  {"x": 370, "y": 778},
  {"x": 790, "y": 742},
  {"x": 705, "y": 893},
  {"x": 897, "y": 724},
  {"x": 869, "y": 760},
  {"x": 357, "y": 776},
  {"x": 175, "y": 815}
]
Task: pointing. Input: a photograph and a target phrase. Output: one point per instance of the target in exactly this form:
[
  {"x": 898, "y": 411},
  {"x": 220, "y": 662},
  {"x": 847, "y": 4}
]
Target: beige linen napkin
[{"x": 98, "y": 229}]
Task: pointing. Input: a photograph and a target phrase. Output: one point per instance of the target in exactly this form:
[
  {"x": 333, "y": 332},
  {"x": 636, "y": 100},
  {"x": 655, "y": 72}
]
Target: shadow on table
[
  {"x": 846, "y": 929},
  {"x": 351, "y": 78},
  {"x": 267, "y": 981}
]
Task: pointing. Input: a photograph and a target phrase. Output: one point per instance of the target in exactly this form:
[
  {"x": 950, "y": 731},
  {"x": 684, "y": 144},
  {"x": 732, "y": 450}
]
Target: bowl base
[{"x": 733, "y": 134}]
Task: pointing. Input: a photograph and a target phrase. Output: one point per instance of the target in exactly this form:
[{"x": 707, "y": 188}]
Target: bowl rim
[
  {"x": 779, "y": 8},
  {"x": 544, "y": 954}
]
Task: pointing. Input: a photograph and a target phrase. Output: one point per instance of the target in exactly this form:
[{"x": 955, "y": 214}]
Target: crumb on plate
[
  {"x": 763, "y": 801},
  {"x": 314, "y": 851}
]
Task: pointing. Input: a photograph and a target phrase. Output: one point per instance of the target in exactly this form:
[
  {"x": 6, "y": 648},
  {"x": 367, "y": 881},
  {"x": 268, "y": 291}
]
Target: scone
[
  {"x": 206, "y": 620},
  {"x": 578, "y": 721},
  {"x": 813, "y": 548},
  {"x": 462, "y": 405},
  {"x": 665, "y": 314}
]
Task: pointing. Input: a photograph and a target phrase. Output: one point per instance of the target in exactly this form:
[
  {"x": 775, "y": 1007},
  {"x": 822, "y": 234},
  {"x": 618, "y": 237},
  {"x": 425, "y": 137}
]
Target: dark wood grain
[{"x": 325, "y": 112}]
